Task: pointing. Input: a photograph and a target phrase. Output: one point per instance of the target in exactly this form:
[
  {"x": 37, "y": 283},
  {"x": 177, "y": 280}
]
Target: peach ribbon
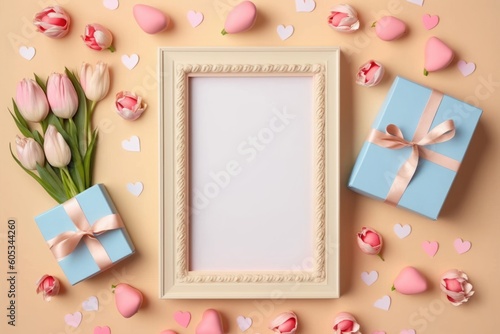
[
  {"x": 393, "y": 139},
  {"x": 65, "y": 243}
]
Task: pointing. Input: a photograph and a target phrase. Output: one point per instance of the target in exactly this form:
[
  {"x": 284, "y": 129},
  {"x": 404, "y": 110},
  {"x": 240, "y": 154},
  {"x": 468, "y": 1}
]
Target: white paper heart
[
  {"x": 369, "y": 278},
  {"x": 306, "y": 6},
  {"x": 132, "y": 145},
  {"x": 91, "y": 304},
  {"x": 244, "y": 323},
  {"x": 27, "y": 52},
  {"x": 73, "y": 320},
  {"x": 284, "y": 32},
  {"x": 416, "y": 2},
  {"x": 111, "y": 4},
  {"x": 135, "y": 188},
  {"x": 402, "y": 231},
  {"x": 130, "y": 61},
  {"x": 466, "y": 68},
  {"x": 383, "y": 303},
  {"x": 194, "y": 18}
]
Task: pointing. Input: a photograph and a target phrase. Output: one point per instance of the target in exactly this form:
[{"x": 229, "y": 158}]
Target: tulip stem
[
  {"x": 68, "y": 181},
  {"x": 88, "y": 130},
  {"x": 380, "y": 256}
]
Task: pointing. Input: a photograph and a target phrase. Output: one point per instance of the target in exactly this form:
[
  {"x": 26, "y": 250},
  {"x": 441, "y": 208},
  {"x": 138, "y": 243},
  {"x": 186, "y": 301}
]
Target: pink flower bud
[
  {"x": 52, "y": 22},
  {"x": 284, "y": 323},
  {"x": 370, "y": 241},
  {"x": 455, "y": 285},
  {"x": 62, "y": 96},
  {"x": 29, "y": 153},
  {"x": 343, "y": 18},
  {"x": 31, "y": 101},
  {"x": 95, "y": 82},
  {"x": 49, "y": 285},
  {"x": 345, "y": 323},
  {"x": 98, "y": 37},
  {"x": 129, "y": 105},
  {"x": 370, "y": 74},
  {"x": 56, "y": 149}
]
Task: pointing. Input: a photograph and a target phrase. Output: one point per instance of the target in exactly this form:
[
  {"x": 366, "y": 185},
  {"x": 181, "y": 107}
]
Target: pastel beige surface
[{"x": 470, "y": 212}]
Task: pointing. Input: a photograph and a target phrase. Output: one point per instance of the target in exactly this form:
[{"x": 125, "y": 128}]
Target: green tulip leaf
[
  {"x": 55, "y": 183},
  {"x": 81, "y": 116},
  {"x": 41, "y": 83},
  {"x": 24, "y": 130},
  {"x": 19, "y": 117},
  {"x": 38, "y": 137},
  {"x": 88, "y": 161}
]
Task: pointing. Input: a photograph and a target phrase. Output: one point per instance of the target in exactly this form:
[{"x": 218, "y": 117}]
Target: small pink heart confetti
[
  {"x": 430, "y": 21},
  {"x": 102, "y": 330},
  {"x": 194, "y": 18},
  {"x": 182, "y": 318},
  {"x": 74, "y": 319},
  {"x": 462, "y": 246},
  {"x": 430, "y": 247},
  {"x": 466, "y": 68},
  {"x": 408, "y": 331},
  {"x": 379, "y": 332}
]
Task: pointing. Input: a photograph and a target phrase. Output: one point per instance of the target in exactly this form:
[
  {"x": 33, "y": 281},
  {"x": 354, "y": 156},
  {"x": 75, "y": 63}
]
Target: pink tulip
[
  {"x": 129, "y": 105},
  {"x": 52, "y": 22},
  {"x": 98, "y": 37},
  {"x": 343, "y": 18},
  {"x": 345, "y": 323},
  {"x": 95, "y": 82},
  {"x": 56, "y": 149},
  {"x": 62, "y": 96},
  {"x": 284, "y": 323},
  {"x": 49, "y": 285},
  {"x": 370, "y": 74},
  {"x": 370, "y": 241},
  {"x": 31, "y": 101},
  {"x": 29, "y": 153},
  {"x": 455, "y": 284}
]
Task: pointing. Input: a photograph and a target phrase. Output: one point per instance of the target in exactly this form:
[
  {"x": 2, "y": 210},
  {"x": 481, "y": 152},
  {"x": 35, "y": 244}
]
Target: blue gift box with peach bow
[
  {"x": 86, "y": 234},
  {"x": 415, "y": 148}
]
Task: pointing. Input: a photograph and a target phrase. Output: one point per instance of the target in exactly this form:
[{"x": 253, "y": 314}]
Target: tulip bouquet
[{"x": 54, "y": 117}]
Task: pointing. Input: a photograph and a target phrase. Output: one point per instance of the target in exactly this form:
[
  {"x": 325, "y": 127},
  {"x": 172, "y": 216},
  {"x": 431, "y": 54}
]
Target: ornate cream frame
[{"x": 176, "y": 66}]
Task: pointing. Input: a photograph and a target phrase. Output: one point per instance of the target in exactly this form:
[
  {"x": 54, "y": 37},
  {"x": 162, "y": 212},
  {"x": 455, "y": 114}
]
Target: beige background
[{"x": 471, "y": 211}]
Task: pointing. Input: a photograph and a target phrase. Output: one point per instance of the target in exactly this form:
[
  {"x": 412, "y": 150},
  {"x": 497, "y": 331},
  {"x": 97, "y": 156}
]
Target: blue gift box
[
  {"x": 93, "y": 204},
  {"x": 376, "y": 166}
]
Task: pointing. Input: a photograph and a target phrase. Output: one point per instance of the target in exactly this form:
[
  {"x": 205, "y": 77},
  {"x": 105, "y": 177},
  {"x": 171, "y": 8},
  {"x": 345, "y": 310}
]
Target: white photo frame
[{"x": 199, "y": 126}]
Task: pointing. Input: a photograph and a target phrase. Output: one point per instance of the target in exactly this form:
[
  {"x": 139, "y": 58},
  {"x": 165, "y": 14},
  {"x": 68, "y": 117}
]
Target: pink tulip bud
[
  {"x": 31, "y": 101},
  {"x": 129, "y": 105},
  {"x": 343, "y": 18},
  {"x": 52, "y": 22},
  {"x": 56, "y": 149},
  {"x": 29, "y": 153},
  {"x": 455, "y": 284},
  {"x": 62, "y": 96},
  {"x": 49, "y": 285},
  {"x": 95, "y": 82},
  {"x": 370, "y": 74},
  {"x": 370, "y": 241},
  {"x": 345, "y": 323},
  {"x": 98, "y": 37}
]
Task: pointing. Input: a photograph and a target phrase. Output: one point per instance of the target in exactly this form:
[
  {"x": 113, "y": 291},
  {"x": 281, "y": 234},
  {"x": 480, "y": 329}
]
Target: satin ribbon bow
[
  {"x": 393, "y": 139},
  {"x": 65, "y": 243}
]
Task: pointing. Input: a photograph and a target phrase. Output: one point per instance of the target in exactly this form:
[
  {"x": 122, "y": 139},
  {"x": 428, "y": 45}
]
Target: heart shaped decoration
[
  {"x": 244, "y": 323},
  {"x": 132, "y": 145},
  {"x": 383, "y": 303},
  {"x": 369, "y": 278},
  {"x": 111, "y": 4},
  {"x": 402, "y": 231},
  {"x": 27, "y": 52},
  {"x": 210, "y": 323},
  {"x": 91, "y": 304},
  {"x": 462, "y": 246},
  {"x": 430, "y": 21},
  {"x": 378, "y": 332},
  {"x": 416, "y": 2},
  {"x": 466, "y": 68},
  {"x": 408, "y": 331},
  {"x": 135, "y": 188},
  {"x": 130, "y": 61},
  {"x": 430, "y": 248},
  {"x": 284, "y": 32},
  {"x": 102, "y": 330},
  {"x": 305, "y": 6},
  {"x": 73, "y": 319},
  {"x": 194, "y": 18},
  {"x": 182, "y": 318}
]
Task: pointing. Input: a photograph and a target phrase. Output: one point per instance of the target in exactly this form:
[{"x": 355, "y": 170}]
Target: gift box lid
[{"x": 376, "y": 166}]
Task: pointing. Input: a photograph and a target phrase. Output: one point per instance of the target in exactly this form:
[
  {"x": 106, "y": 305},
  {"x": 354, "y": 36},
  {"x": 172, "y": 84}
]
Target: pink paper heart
[
  {"x": 379, "y": 332},
  {"x": 73, "y": 320},
  {"x": 430, "y": 247},
  {"x": 466, "y": 68},
  {"x": 194, "y": 18},
  {"x": 462, "y": 246},
  {"x": 430, "y": 21},
  {"x": 408, "y": 331},
  {"x": 102, "y": 330},
  {"x": 182, "y": 318},
  {"x": 210, "y": 323}
]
